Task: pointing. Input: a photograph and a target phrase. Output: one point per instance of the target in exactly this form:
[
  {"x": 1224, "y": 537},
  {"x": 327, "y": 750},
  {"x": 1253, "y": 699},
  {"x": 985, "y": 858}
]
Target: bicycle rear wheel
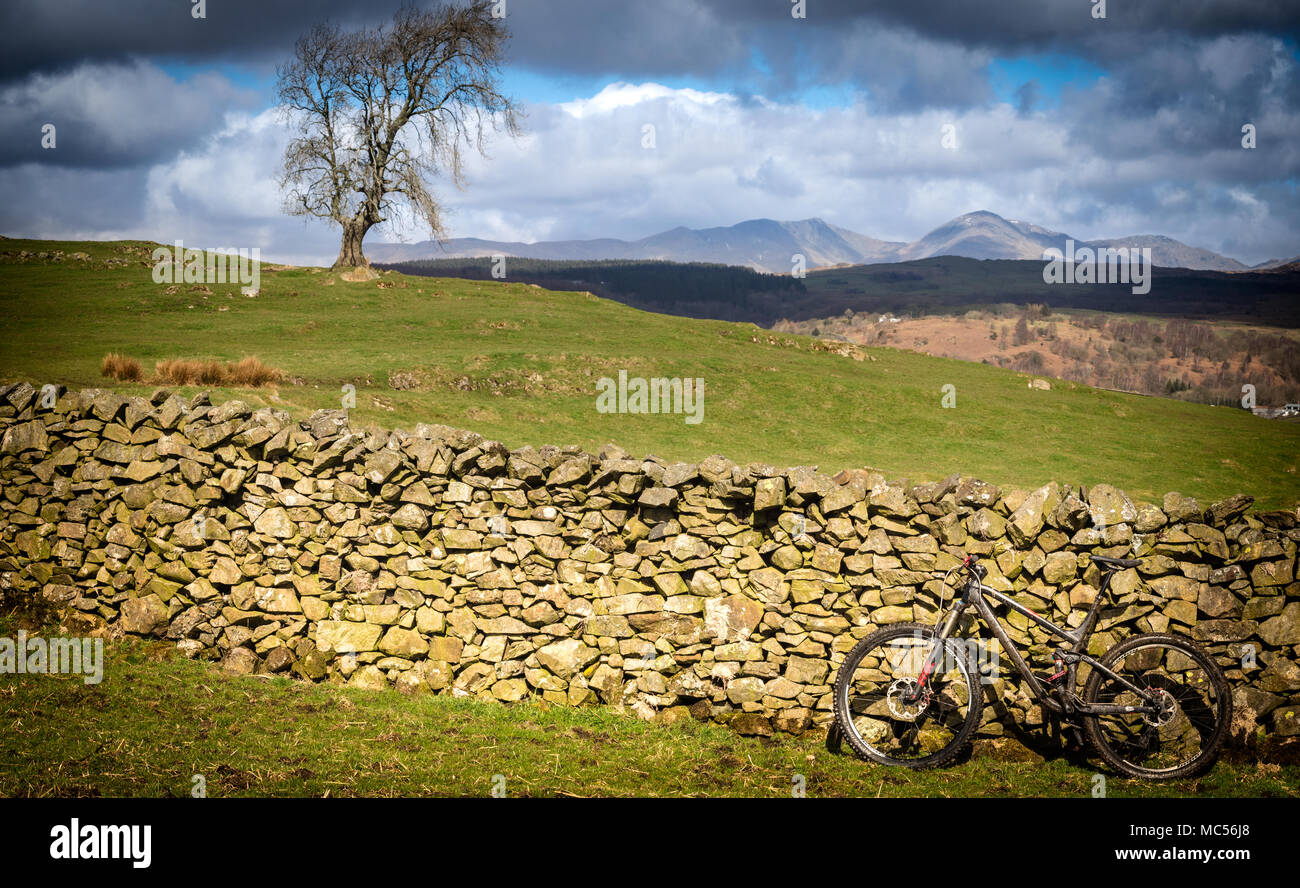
[
  {"x": 885, "y": 714},
  {"x": 1184, "y": 739}
]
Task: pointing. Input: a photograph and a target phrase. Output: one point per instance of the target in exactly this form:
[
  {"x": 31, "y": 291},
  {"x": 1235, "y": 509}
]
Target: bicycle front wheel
[
  {"x": 889, "y": 716},
  {"x": 1185, "y": 736}
]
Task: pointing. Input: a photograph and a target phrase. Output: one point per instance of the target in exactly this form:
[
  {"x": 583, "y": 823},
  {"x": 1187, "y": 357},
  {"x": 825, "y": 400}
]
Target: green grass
[
  {"x": 157, "y": 720},
  {"x": 520, "y": 364}
]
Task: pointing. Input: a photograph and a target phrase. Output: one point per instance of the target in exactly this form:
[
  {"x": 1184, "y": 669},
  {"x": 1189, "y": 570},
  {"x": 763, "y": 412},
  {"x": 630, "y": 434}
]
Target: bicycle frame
[{"x": 977, "y": 595}]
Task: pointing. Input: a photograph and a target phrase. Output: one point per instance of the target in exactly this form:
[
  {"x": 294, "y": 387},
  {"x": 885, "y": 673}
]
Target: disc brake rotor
[
  {"x": 1168, "y": 709},
  {"x": 907, "y": 699}
]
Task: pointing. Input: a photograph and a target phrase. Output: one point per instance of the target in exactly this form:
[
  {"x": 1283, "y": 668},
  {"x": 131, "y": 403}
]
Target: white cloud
[
  {"x": 581, "y": 171},
  {"x": 232, "y": 174},
  {"x": 622, "y": 95},
  {"x": 722, "y": 158}
]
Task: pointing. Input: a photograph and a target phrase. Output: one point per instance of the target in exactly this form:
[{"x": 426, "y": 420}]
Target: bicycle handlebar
[{"x": 971, "y": 563}]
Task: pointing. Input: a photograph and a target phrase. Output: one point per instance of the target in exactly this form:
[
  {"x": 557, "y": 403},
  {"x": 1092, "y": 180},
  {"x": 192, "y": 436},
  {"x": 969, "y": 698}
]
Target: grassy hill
[{"x": 520, "y": 364}]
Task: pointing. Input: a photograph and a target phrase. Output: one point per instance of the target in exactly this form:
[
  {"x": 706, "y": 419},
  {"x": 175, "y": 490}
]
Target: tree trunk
[{"x": 350, "y": 254}]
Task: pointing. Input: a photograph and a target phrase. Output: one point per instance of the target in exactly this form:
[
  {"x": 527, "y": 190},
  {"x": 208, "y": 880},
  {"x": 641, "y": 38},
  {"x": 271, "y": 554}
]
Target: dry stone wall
[{"x": 438, "y": 561}]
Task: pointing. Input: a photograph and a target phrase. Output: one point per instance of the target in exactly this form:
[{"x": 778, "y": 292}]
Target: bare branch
[{"x": 379, "y": 113}]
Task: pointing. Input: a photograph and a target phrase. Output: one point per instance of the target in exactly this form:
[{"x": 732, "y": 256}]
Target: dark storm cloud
[
  {"x": 898, "y": 69},
  {"x": 50, "y": 202},
  {"x": 53, "y": 35},
  {"x": 1191, "y": 101},
  {"x": 1025, "y": 24},
  {"x": 697, "y": 36},
  {"x": 678, "y": 36},
  {"x": 900, "y": 53},
  {"x": 599, "y": 37},
  {"x": 111, "y": 115}
]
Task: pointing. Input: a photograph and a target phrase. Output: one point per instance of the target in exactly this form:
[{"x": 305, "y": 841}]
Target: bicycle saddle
[{"x": 1115, "y": 562}]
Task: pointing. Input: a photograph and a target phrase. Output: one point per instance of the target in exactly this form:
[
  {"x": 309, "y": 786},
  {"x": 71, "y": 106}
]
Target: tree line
[{"x": 688, "y": 289}]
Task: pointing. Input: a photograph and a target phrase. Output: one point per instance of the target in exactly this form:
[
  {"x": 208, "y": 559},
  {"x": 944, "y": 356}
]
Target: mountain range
[{"x": 769, "y": 245}]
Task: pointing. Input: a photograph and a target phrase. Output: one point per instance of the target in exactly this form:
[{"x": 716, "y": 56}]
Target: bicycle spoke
[
  {"x": 1189, "y": 711},
  {"x": 893, "y": 714}
]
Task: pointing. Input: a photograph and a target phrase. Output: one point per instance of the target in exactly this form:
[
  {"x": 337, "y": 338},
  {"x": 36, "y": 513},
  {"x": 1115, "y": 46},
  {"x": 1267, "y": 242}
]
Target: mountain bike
[{"x": 1154, "y": 706}]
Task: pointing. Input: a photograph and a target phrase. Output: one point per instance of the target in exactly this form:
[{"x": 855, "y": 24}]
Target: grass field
[
  {"x": 520, "y": 364},
  {"x": 158, "y": 720}
]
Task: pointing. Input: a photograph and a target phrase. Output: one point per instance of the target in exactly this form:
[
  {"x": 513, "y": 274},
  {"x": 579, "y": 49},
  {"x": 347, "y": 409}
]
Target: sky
[{"x": 167, "y": 126}]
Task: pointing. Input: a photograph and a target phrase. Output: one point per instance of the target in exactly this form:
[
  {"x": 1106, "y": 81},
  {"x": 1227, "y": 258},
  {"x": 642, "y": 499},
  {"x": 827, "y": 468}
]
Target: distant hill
[
  {"x": 769, "y": 245},
  {"x": 985, "y": 235},
  {"x": 1275, "y": 264},
  {"x": 1169, "y": 253},
  {"x": 761, "y": 244}
]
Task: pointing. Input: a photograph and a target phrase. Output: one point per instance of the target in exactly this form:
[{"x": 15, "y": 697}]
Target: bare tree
[
  {"x": 380, "y": 112},
  {"x": 1022, "y": 331}
]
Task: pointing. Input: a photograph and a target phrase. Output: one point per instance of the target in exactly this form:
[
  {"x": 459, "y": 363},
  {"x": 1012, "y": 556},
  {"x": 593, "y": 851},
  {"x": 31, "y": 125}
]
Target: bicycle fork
[{"x": 932, "y": 659}]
